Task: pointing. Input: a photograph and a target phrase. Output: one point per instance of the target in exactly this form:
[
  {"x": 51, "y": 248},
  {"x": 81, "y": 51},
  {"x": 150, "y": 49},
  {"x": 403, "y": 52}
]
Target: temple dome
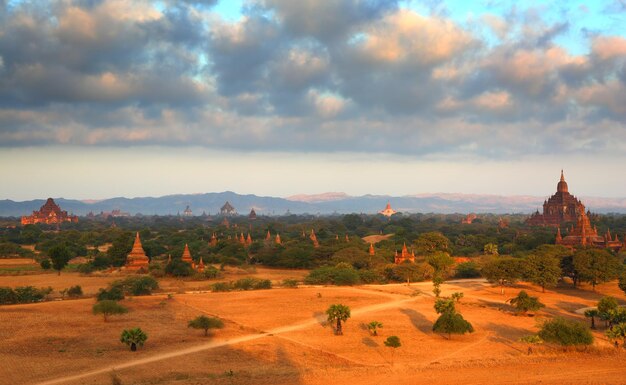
[{"x": 562, "y": 185}]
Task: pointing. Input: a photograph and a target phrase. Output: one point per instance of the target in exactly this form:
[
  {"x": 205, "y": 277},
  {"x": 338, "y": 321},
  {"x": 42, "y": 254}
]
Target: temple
[
  {"x": 137, "y": 259},
  {"x": 404, "y": 256},
  {"x": 560, "y": 208},
  {"x": 313, "y": 238},
  {"x": 186, "y": 257},
  {"x": 188, "y": 212},
  {"x": 252, "y": 215},
  {"x": 228, "y": 209},
  {"x": 371, "y": 251},
  {"x": 50, "y": 213},
  {"x": 388, "y": 211},
  {"x": 582, "y": 234}
]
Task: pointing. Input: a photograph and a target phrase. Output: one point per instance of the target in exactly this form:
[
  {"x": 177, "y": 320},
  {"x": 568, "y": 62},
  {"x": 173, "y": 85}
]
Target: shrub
[
  {"x": 133, "y": 337},
  {"x": 532, "y": 339},
  {"x": 206, "y": 323},
  {"x": 565, "y": 332},
  {"x": 7, "y": 296},
  {"x": 290, "y": 283},
  {"x": 369, "y": 276},
  {"x": 139, "y": 285},
  {"x": 467, "y": 270},
  {"x": 86, "y": 268},
  {"x": 29, "y": 294},
  {"x": 451, "y": 322},
  {"x": 45, "y": 264},
  {"x": 75, "y": 291},
  {"x": 524, "y": 302},
  {"x": 333, "y": 275},
  {"x": 113, "y": 294},
  {"x": 108, "y": 307},
  {"x": 178, "y": 268},
  {"x": 221, "y": 287},
  {"x": 252, "y": 284}
]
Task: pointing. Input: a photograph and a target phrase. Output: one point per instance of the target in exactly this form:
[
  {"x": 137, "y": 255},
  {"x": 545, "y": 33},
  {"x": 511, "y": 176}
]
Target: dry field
[{"x": 278, "y": 336}]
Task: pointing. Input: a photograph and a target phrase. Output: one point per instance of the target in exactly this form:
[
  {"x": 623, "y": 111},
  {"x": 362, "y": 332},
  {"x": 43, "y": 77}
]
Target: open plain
[{"x": 280, "y": 336}]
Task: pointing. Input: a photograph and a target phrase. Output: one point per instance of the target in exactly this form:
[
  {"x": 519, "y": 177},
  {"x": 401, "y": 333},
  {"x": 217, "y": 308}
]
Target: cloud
[{"x": 352, "y": 75}]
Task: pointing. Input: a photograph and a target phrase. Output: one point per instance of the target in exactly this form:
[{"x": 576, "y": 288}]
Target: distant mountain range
[{"x": 327, "y": 203}]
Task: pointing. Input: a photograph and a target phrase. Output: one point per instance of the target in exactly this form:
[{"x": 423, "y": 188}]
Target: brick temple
[
  {"x": 50, "y": 213},
  {"x": 562, "y": 207},
  {"x": 137, "y": 260}
]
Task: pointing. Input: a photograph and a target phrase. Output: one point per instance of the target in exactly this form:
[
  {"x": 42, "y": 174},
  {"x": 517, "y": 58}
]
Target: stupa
[
  {"x": 404, "y": 256},
  {"x": 137, "y": 259}
]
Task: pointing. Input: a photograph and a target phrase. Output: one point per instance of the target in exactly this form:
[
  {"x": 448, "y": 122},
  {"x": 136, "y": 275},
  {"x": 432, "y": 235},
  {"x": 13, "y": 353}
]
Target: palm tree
[
  {"x": 206, "y": 323},
  {"x": 133, "y": 337},
  {"x": 592, "y": 313},
  {"x": 372, "y": 326},
  {"x": 339, "y": 313}
]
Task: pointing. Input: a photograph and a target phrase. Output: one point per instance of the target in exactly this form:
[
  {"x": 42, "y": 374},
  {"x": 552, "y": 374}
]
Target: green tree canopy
[
  {"x": 503, "y": 271},
  {"x": 206, "y": 323},
  {"x": 108, "y": 307},
  {"x": 373, "y": 327},
  {"x": 596, "y": 266},
  {"x": 451, "y": 322},
  {"x": 133, "y": 337},
  {"x": 543, "y": 270},
  {"x": 430, "y": 242},
  {"x": 60, "y": 256},
  {"x": 338, "y": 313},
  {"x": 565, "y": 332},
  {"x": 441, "y": 262},
  {"x": 525, "y": 303}
]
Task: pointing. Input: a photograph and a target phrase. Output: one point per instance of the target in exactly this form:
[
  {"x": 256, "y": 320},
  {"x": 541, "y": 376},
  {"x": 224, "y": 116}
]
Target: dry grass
[{"x": 51, "y": 340}]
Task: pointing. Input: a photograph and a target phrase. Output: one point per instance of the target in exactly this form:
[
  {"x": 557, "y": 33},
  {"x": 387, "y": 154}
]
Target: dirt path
[{"x": 216, "y": 344}]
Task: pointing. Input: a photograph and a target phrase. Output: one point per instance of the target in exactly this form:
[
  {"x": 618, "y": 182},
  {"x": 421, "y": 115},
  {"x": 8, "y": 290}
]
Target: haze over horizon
[{"x": 109, "y": 98}]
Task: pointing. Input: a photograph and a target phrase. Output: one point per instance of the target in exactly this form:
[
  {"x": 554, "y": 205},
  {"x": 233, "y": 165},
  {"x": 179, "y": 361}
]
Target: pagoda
[
  {"x": 137, "y": 259},
  {"x": 200, "y": 267},
  {"x": 188, "y": 212},
  {"x": 50, "y": 213},
  {"x": 404, "y": 256},
  {"x": 560, "y": 208},
  {"x": 278, "y": 241},
  {"x": 228, "y": 209},
  {"x": 186, "y": 257},
  {"x": 584, "y": 235},
  {"x": 252, "y": 215},
  {"x": 371, "y": 251},
  {"x": 388, "y": 211}
]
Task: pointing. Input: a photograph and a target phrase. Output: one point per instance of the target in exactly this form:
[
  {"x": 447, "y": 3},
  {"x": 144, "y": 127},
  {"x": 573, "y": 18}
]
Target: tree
[
  {"x": 444, "y": 305},
  {"x": 442, "y": 262},
  {"x": 616, "y": 332},
  {"x": 542, "y": 270},
  {"x": 206, "y": 323},
  {"x": 565, "y": 332},
  {"x": 606, "y": 306},
  {"x": 133, "y": 337},
  {"x": 437, "y": 281},
  {"x": 428, "y": 243},
  {"x": 596, "y": 266},
  {"x": 60, "y": 256},
  {"x": 456, "y": 296},
  {"x": 451, "y": 322},
  {"x": 490, "y": 249},
  {"x": 338, "y": 313},
  {"x": 525, "y": 303},
  {"x": 408, "y": 271},
  {"x": 373, "y": 326},
  {"x": 394, "y": 343},
  {"x": 592, "y": 313},
  {"x": 503, "y": 271},
  {"x": 108, "y": 307}
]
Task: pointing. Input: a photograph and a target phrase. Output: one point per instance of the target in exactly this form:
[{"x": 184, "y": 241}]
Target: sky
[{"x": 104, "y": 98}]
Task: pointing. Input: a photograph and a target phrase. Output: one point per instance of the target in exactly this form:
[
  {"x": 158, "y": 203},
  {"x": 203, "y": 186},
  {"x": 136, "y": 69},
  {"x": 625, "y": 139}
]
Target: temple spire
[{"x": 562, "y": 176}]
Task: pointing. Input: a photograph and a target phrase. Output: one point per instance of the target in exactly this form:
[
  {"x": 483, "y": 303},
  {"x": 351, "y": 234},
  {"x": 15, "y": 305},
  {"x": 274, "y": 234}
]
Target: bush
[
  {"x": 178, "y": 268},
  {"x": 333, "y": 275},
  {"x": 7, "y": 296},
  {"x": 23, "y": 294},
  {"x": 290, "y": 283},
  {"x": 252, "y": 284},
  {"x": 467, "y": 270},
  {"x": 45, "y": 264},
  {"x": 30, "y": 294},
  {"x": 86, "y": 268},
  {"x": 221, "y": 287},
  {"x": 75, "y": 291},
  {"x": 451, "y": 322},
  {"x": 139, "y": 285},
  {"x": 369, "y": 276},
  {"x": 107, "y": 308},
  {"x": 565, "y": 332},
  {"x": 114, "y": 294},
  {"x": 524, "y": 302}
]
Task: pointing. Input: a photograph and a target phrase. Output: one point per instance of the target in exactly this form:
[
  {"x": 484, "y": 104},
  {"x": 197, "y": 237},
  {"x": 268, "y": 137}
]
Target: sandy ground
[
  {"x": 279, "y": 336},
  {"x": 374, "y": 239}
]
